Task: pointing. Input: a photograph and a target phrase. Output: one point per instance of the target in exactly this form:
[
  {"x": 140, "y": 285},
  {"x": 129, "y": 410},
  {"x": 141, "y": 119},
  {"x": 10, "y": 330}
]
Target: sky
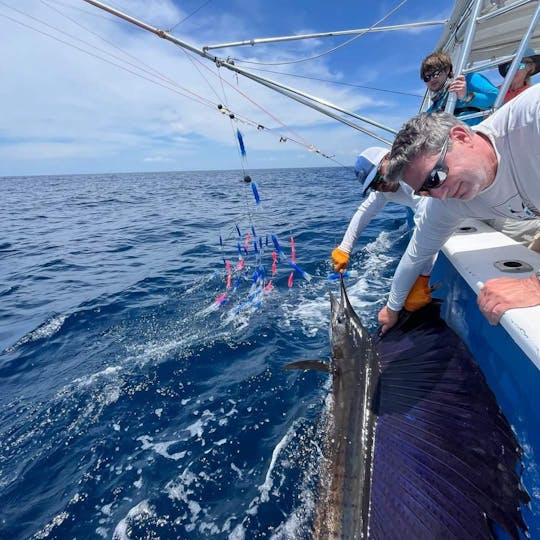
[{"x": 85, "y": 92}]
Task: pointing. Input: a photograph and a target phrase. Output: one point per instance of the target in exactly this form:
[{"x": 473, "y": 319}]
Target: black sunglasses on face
[
  {"x": 377, "y": 182},
  {"x": 503, "y": 68},
  {"x": 432, "y": 75},
  {"x": 437, "y": 175}
]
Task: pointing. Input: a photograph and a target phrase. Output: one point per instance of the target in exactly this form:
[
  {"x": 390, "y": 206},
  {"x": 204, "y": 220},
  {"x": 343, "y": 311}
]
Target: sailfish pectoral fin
[{"x": 317, "y": 365}]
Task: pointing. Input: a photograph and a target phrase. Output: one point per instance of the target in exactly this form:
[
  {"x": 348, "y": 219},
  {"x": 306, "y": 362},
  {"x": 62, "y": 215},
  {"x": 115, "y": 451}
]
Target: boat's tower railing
[{"x": 485, "y": 33}]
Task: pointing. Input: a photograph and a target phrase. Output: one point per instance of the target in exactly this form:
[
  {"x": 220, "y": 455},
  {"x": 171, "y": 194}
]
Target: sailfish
[{"x": 416, "y": 445}]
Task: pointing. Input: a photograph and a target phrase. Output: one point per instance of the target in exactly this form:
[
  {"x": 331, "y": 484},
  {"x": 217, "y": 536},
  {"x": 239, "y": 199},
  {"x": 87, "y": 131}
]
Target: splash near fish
[{"x": 417, "y": 446}]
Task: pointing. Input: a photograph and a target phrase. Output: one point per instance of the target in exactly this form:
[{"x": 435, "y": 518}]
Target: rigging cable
[
  {"x": 190, "y": 15},
  {"x": 302, "y": 142},
  {"x": 178, "y": 89},
  {"x": 329, "y": 51},
  {"x": 354, "y": 85}
]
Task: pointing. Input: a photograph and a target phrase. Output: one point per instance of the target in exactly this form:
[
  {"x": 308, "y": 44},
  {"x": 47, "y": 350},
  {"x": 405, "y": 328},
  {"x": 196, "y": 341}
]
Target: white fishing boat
[{"x": 479, "y": 35}]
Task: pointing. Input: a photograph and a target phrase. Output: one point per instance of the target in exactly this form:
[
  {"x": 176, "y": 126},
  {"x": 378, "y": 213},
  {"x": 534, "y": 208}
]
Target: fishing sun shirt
[
  {"x": 373, "y": 204},
  {"x": 514, "y": 132}
]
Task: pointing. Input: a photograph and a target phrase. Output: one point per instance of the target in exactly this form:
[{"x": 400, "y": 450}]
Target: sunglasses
[
  {"x": 505, "y": 67},
  {"x": 437, "y": 175},
  {"x": 432, "y": 75},
  {"x": 377, "y": 182}
]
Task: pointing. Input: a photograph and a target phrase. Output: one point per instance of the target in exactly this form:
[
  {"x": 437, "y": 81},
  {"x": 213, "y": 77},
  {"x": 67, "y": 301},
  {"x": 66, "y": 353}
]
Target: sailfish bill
[{"x": 416, "y": 445}]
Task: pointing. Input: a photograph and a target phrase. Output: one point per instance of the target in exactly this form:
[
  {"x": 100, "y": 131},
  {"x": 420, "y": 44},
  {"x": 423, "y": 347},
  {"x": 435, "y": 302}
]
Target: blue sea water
[{"x": 133, "y": 405}]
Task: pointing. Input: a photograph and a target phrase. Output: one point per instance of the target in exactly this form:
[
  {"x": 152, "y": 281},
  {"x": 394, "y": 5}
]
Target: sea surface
[{"x": 133, "y": 405}]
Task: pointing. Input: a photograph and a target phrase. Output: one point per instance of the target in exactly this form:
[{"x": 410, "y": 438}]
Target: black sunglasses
[
  {"x": 431, "y": 75},
  {"x": 377, "y": 181},
  {"x": 503, "y": 68},
  {"x": 437, "y": 175}
]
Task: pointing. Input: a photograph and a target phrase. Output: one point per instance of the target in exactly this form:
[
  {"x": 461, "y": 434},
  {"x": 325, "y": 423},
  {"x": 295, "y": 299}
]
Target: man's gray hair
[{"x": 424, "y": 133}]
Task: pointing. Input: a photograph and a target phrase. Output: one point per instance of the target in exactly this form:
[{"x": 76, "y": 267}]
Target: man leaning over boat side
[
  {"x": 489, "y": 170},
  {"x": 370, "y": 168}
]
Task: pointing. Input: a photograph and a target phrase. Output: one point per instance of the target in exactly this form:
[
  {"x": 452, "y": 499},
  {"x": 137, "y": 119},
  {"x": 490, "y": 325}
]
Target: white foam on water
[
  {"x": 367, "y": 288},
  {"x": 161, "y": 448},
  {"x": 312, "y": 315},
  {"x": 238, "y": 533},
  {"x": 109, "y": 372},
  {"x": 196, "y": 428},
  {"x": 138, "y": 512},
  {"x": 103, "y": 532},
  {"x": 55, "y": 522},
  {"x": 107, "y": 509},
  {"x": 180, "y": 490},
  {"x": 46, "y": 330},
  {"x": 265, "y": 488},
  {"x": 237, "y": 471}
]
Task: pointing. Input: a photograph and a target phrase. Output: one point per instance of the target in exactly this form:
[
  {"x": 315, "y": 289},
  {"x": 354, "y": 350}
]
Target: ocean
[{"x": 133, "y": 404}]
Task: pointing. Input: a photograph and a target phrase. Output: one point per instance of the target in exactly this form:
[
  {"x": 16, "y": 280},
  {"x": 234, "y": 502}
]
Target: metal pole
[
  {"x": 290, "y": 92},
  {"x": 465, "y": 51},
  {"x": 517, "y": 59},
  {"x": 259, "y": 41}
]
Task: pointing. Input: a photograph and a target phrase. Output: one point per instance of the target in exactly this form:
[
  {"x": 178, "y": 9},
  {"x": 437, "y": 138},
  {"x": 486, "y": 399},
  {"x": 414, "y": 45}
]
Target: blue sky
[{"x": 73, "y": 104}]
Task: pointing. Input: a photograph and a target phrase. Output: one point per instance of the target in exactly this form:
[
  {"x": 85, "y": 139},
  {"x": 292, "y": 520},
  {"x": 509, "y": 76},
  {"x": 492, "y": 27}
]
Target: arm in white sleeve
[
  {"x": 432, "y": 230},
  {"x": 365, "y": 213}
]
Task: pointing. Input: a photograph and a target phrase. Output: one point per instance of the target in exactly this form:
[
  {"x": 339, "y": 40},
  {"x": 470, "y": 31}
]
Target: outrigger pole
[
  {"x": 259, "y": 41},
  {"x": 297, "y": 95}
]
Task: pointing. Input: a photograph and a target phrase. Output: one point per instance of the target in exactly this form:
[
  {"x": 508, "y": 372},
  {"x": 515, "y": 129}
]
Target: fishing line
[
  {"x": 92, "y": 13},
  {"x": 150, "y": 69},
  {"x": 190, "y": 15},
  {"x": 303, "y": 142},
  {"x": 196, "y": 97},
  {"x": 276, "y": 119},
  {"x": 178, "y": 89},
  {"x": 329, "y": 51},
  {"x": 409, "y": 94}
]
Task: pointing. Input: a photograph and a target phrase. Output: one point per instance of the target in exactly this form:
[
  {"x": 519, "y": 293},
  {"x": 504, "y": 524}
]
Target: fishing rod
[{"x": 295, "y": 94}]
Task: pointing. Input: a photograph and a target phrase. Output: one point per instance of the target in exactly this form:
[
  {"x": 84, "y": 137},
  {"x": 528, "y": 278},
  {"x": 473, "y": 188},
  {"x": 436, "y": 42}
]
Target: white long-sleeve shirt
[
  {"x": 514, "y": 131},
  {"x": 372, "y": 205}
]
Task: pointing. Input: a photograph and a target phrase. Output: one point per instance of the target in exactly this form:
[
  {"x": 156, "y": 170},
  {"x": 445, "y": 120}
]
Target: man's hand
[
  {"x": 501, "y": 294},
  {"x": 341, "y": 260},
  {"x": 387, "y": 318}
]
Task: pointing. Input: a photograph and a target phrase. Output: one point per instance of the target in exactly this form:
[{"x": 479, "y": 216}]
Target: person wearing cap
[
  {"x": 370, "y": 168},
  {"x": 474, "y": 92},
  {"x": 529, "y": 66}
]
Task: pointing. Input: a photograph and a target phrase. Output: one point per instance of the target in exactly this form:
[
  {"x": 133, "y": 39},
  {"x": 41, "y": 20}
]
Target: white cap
[{"x": 367, "y": 164}]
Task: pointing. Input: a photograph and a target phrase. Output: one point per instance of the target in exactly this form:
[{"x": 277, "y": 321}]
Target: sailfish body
[
  {"x": 416, "y": 446},
  {"x": 344, "y": 509}
]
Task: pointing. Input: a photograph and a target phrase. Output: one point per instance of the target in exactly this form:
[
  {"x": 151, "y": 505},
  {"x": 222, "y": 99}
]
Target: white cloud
[{"x": 75, "y": 101}]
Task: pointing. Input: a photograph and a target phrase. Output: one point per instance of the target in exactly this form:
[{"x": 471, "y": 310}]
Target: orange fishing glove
[
  {"x": 419, "y": 295},
  {"x": 341, "y": 260}
]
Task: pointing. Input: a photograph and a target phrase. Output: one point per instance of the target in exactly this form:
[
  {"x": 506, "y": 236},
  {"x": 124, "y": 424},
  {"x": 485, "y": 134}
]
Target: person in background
[
  {"x": 474, "y": 92},
  {"x": 370, "y": 168},
  {"x": 488, "y": 171},
  {"x": 529, "y": 66},
  {"x": 527, "y": 232}
]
